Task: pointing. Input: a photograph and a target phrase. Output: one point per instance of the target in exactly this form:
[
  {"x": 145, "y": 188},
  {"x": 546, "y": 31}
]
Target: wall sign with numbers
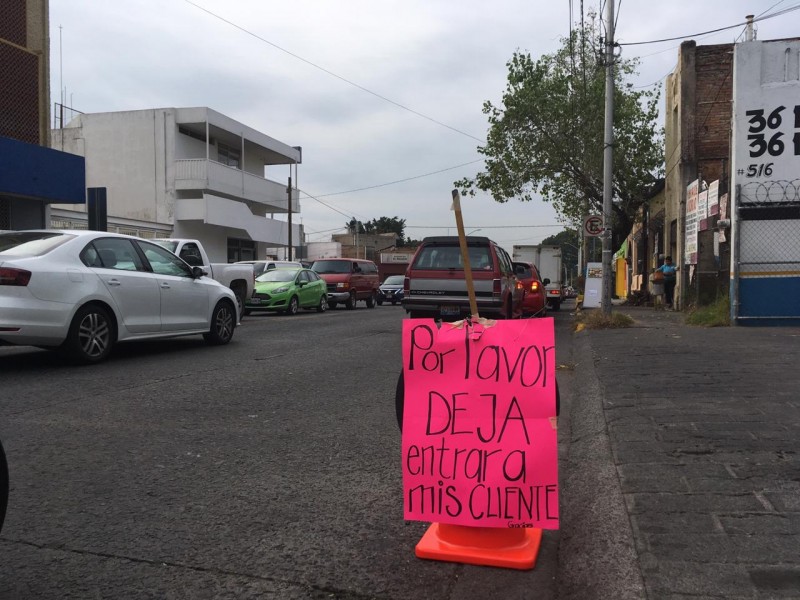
[
  {"x": 767, "y": 140},
  {"x": 765, "y": 168},
  {"x": 766, "y": 121}
]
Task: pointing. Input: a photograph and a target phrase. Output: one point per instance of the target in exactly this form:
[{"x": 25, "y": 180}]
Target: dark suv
[
  {"x": 349, "y": 280},
  {"x": 435, "y": 285}
]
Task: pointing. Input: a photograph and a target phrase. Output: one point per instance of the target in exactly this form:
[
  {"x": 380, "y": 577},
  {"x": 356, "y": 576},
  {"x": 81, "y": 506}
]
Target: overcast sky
[{"x": 328, "y": 75}]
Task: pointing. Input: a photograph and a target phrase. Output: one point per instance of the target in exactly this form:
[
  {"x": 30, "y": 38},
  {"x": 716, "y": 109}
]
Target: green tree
[
  {"x": 381, "y": 225},
  {"x": 548, "y": 136}
]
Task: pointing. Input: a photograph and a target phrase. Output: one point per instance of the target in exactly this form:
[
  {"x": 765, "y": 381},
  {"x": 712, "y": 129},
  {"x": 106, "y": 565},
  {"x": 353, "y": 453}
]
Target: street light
[{"x": 473, "y": 231}]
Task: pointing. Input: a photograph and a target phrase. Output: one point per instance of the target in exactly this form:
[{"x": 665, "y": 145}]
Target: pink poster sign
[{"x": 480, "y": 445}]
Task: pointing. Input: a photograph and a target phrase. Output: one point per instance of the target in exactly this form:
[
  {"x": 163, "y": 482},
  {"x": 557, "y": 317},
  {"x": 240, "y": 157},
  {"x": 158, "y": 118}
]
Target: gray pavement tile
[
  {"x": 677, "y": 503},
  {"x": 757, "y": 524},
  {"x": 695, "y": 580},
  {"x": 735, "y": 486},
  {"x": 784, "y": 501},
  {"x": 675, "y": 522},
  {"x": 724, "y": 548},
  {"x": 777, "y": 582}
]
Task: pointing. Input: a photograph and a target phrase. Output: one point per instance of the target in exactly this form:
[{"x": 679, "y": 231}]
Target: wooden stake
[{"x": 462, "y": 242}]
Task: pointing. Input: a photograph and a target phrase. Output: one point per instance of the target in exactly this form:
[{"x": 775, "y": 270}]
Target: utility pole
[
  {"x": 289, "y": 193},
  {"x": 608, "y": 159}
]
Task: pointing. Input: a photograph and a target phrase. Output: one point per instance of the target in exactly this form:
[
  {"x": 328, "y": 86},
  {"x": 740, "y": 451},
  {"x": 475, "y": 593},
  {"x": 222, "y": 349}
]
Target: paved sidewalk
[{"x": 693, "y": 435}]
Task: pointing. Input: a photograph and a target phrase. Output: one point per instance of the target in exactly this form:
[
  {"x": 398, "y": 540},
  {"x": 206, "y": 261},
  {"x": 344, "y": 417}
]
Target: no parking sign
[{"x": 593, "y": 226}]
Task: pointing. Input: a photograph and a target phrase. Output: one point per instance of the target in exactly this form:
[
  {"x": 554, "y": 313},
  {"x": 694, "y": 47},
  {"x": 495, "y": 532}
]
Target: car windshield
[
  {"x": 169, "y": 245},
  {"x": 331, "y": 266},
  {"x": 436, "y": 257},
  {"x": 278, "y": 275},
  {"x": 394, "y": 280},
  {"x": 522, "y": 271},
  {"x": 31, "y": 243}
]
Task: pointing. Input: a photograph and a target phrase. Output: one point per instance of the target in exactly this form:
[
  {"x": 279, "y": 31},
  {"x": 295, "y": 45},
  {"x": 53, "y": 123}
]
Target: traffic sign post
[{"x": 593, "y": 226}]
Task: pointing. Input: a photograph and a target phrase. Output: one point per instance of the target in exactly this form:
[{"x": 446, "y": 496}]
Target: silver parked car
[{"x": 83, "y": 291}]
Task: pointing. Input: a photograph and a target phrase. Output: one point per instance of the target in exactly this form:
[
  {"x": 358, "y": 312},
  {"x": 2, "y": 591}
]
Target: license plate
[
  {"x": 449, "y": 311},
  {"x": 255, "y": 301}
]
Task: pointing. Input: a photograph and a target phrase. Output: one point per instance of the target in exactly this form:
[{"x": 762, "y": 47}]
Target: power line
[
  {"x": 325, "y": 204},
  {"x": 332, "y": 74},
  {"x": 771, "y": 7},
  {"x": 452, "y": 226},
  {"x": 372, "y": 187},
  {"x": 682, "y": 37}
]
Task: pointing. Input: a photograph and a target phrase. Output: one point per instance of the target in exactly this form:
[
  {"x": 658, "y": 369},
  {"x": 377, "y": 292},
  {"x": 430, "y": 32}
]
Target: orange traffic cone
[{"x": 513, "y": 548}]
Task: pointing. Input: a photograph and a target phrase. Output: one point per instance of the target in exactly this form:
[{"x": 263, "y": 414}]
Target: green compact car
[{"x": 287, "y": 291}]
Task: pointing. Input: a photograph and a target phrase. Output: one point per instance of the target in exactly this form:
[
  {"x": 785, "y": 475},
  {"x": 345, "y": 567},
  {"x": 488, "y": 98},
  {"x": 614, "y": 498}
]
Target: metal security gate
[{"x": 766, "y": 278}]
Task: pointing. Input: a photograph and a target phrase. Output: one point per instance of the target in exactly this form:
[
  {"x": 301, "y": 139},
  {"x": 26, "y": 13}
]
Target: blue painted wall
[
  {"x": 769, "y": 296},
  {"x": 40, "y": 173}
]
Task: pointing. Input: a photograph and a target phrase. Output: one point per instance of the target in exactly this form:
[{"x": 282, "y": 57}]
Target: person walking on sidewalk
[{"x": 670, "y": 276}]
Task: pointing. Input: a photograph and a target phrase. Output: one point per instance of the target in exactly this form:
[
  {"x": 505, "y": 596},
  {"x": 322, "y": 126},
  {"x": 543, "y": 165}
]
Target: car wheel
[
  {"x": 3, "y": 486},
  {"x": 350, "y": 304},
  {"x": 331, "y": 305},
  {"x": 91, "y": 335},
  {"x": 323, "y": 304},
  {"x": 371, "y": 301},
  {"x": 294, "y": 306},
  {"x": 380, "y": 301},
  {"x": 223, "y": 320}
]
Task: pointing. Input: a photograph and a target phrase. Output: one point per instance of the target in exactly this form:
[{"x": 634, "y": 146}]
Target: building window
[
  {"x": 229, "y": 156},
  {"x": 241, "y": 250}
]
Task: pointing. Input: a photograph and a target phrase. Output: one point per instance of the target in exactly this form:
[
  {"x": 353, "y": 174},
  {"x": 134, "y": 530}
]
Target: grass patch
[
  {"x": 595, "y": 319},
  {"x": 713, "y": 315}
]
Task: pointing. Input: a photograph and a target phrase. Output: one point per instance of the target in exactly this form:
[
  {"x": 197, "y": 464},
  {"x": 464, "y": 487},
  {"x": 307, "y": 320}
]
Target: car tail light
[
  {"x": 496, "y": 287},
  {"x": 10, "y": 276},
  {"x": 535, "y": 286},
  {"x": 406, "y": 285}
]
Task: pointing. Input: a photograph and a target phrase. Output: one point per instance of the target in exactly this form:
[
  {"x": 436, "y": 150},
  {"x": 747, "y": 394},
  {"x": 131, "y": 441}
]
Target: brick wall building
[
  {"x": 697, "y": 145},
  {"x": 32, "y": 176}
]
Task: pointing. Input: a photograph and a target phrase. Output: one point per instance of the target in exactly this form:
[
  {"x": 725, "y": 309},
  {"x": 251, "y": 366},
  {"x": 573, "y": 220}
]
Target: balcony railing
[{"x": 214, "y": 177}]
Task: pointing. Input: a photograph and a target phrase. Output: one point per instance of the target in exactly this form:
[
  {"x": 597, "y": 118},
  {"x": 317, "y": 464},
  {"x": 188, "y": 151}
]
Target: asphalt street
[{"x": 270, "y": 468}]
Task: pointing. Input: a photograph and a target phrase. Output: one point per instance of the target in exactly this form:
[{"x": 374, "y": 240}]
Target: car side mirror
[
  {"x": 198, "y": 272},
  {"x": 545, "y": 281}
]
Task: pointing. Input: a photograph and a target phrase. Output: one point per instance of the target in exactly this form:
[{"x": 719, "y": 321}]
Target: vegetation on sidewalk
[
  {"x": 714, "y": 315},
  {"x": 595, "y": 319}
]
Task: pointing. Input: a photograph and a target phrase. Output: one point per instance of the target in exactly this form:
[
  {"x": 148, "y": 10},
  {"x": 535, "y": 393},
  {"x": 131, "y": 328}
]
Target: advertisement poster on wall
[{"x": 690, "y": 223}]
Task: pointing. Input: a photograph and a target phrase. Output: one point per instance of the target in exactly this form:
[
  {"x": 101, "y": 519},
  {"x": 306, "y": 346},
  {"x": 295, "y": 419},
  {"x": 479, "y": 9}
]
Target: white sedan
[{"x": 83, "y": 291}]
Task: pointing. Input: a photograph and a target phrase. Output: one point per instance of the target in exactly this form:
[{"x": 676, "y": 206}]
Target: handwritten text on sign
[{"x": 479, "y": 446}]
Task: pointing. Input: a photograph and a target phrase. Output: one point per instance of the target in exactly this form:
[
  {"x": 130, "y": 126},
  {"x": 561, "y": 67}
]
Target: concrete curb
[{"x": 597, "y": 555}]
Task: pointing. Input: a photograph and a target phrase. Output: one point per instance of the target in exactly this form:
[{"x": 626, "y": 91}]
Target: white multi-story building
[{"x": 188, "y": 173}]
